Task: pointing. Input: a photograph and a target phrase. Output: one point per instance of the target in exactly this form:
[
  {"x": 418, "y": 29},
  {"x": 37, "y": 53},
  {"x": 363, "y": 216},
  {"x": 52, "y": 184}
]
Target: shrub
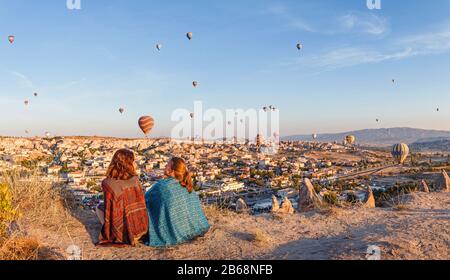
[
  {"x": 331, "y": 198},
  {"x": 7, "y": 211},
  {"x": 352, "y": 198}
]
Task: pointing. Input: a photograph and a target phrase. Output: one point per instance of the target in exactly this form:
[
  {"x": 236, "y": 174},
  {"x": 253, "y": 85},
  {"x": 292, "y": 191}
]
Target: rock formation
[
  {"x": 423, "y": 187},
  {"x": 443, "y": 182},
  {"x": 308, "y": 198},
  {"x": 286, "y": 207},
  {"x": 369, "y": 202},
  {"x": 275, "y": 204},
  {"x": 241, "y": 206}
]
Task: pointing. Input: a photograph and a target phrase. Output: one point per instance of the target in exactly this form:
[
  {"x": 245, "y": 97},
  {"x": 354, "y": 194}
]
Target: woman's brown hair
[
  {"x": 122, "y": 166},
  {"x": 181, "y": 173}
]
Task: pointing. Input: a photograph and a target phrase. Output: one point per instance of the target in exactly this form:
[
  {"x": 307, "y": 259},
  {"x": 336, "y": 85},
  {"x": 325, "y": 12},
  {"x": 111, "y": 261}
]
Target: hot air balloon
[
  {"x": 47, "y": 134},
  {"x": 26, "y": 102},
  {"x": 195, "y": 83},
  {"x": 377, "y": 120},
  {"x": 11, "y": 39},
  {"x": 393, "y": 81},
  {"x": 146, "y": 123},
  {"x": 35, "y": 94},
  {"x": 350, "y": 139},
  {"x": 121, "y": 110},
  {"x": 190, "y": 35},
  {"x": 314, "y": 136},
  {"x": 438, "y": 109},
  {"x": 27, "y": 132},
  {"x": 299, "y": 46},
  {"x": 192, "y": 115},
  {"x": 265, "y": 109},
  {"x": 159, "y": 47},
  {"x": 400, "y": 152}
]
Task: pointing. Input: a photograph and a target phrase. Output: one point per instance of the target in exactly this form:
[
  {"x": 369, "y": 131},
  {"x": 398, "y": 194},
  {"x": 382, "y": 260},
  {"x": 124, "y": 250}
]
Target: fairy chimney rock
[
  {"x": 275, "y": 204},
  {"x": 423, "y": 187},
  {"x": 286, "y": 206},
  {"x": 370, "y": 199},
  {"x": 308, "y": 198},
  {"x": 443, "y": 183},
  {"x": 241, "y": 206}
]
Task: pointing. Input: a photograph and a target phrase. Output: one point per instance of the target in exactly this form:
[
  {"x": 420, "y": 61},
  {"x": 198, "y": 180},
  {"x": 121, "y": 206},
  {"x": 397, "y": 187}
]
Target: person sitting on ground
[
  {"x": 174, "y": 209},
  {"x": 124, "y": 213}
]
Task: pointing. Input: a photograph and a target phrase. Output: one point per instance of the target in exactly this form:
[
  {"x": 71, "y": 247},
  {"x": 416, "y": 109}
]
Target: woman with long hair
[
  {"x": 123, "y": 214},
  {"x": 174, "y": 209}
]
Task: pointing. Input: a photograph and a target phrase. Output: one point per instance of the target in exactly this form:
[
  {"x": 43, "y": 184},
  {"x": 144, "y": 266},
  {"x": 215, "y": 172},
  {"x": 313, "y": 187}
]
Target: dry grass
[
  {"x": 19, "y": 248},
  {"x": 39, "y": 204},
  {"x": 259, "y": 237},
  {"x": 398, "y": 202}
]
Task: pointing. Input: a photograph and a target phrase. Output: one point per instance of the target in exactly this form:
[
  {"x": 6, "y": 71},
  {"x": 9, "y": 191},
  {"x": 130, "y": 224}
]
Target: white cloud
[
  {"x": 282, "y": 12},
  {"x": 434, "y": 42},
  {"x": 363, "y": 23},
  {"x": 24, "y": 80}
]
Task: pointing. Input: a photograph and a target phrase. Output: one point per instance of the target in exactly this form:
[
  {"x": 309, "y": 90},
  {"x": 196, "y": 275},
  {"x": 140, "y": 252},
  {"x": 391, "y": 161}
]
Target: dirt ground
[{"x": 419, "y": 229}]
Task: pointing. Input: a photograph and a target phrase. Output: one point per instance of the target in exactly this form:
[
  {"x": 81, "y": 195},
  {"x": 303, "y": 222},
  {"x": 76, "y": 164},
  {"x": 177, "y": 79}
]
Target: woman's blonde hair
[{"x": 181, "y": 173}]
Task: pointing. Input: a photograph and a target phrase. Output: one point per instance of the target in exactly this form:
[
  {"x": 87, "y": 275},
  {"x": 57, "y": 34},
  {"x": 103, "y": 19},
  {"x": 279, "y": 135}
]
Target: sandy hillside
[{"x": 419, "y": 229}]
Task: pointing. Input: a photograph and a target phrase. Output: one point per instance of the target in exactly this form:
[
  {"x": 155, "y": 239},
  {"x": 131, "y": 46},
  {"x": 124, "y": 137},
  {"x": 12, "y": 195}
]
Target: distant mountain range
[{"x": 381, "y": 137}]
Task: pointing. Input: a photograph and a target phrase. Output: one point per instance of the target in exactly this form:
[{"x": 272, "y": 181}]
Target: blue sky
[{"x": 87, "y": 63}]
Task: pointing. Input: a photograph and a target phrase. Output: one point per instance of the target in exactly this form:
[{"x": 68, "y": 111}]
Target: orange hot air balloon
[
  {"x": 11, "y": 39},
  {"x": 190, "y": 35},
  {"x": 351, "y": 139},
  {"x": 146, "y": 123}
]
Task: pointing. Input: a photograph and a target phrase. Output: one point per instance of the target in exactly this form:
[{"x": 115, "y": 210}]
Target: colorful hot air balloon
[
  {"x": 400, "y": 152},
  {"x": 11, "y": 39},
  {"x": 159, "y": 47},
  {"x": 146, "y": 123},
  {"x": 190, "y": 35},
  {"x": 351, "y": 139},
  {"x": 299, "y": 46},
  {"x": 195, "y": 84},
  {"x": 121, "y": 110}
]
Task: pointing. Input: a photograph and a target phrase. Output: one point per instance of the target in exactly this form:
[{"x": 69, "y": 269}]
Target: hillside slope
[
  {"x": 382, "y": 136},
  {"x": 421, "y": 230}
]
